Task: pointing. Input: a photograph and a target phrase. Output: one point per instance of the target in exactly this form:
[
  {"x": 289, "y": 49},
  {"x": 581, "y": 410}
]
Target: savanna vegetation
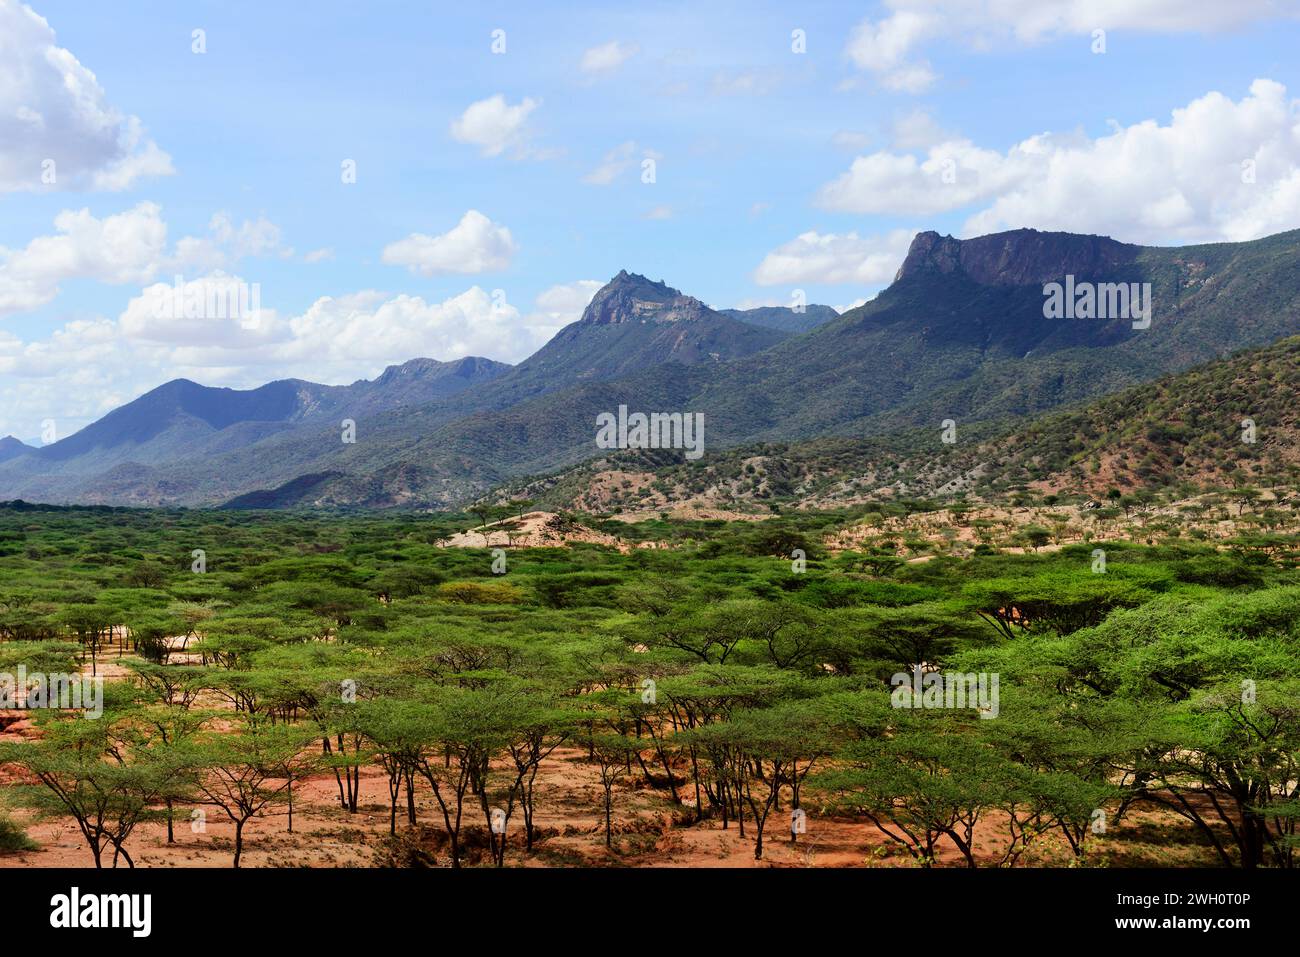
[{"x": 739, "y": 673}]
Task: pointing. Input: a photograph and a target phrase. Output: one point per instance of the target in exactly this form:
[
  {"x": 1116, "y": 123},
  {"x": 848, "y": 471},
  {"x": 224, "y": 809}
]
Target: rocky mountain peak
[
  {"x": 1020, "y": 257},
  {"x": 630, "y": 297}
]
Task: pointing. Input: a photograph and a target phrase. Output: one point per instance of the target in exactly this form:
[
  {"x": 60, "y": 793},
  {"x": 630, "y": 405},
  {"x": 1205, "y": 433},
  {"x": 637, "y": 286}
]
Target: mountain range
[
  {"x": 1227, "y": 423},
  {"x": 959, "y": 335}
]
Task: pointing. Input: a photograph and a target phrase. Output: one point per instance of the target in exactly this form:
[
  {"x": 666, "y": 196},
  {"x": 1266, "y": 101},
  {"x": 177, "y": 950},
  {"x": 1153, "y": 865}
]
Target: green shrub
[
  {"x": 480, "y": 593},
  {"x": 13, "y": 838}
]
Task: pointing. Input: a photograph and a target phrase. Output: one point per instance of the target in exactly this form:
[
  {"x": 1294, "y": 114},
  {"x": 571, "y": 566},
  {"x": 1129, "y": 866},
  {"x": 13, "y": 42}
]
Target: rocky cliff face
[
  {"x": 1021, "y": 257},
  {"x": 629, "y": 297}
]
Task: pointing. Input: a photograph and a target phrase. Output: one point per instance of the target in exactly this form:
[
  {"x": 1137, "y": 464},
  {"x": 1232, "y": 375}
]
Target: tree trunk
[{"x": 410, "y": 799}]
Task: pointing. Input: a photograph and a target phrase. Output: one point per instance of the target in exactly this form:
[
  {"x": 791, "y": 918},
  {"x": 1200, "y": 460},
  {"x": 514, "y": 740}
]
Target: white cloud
[
  {"x": 88, "y": 367},
  {"x": 617, "y": 162},
  {"x": 660, "y": 212},
  {"x": 949, "y": 176},
  {"x": 259, "y": 237},
  {"x": 1179, "y": 182},
  {"x": 916, "y": 78},
  {"x": 52, "y": 108},
  {"x": 607, "y": 57},
  {"x": 123, "y": 248},
  {"x": 563, "y": 304},
  {"x": 474, "y": 245},
  {"x": 917, "y": 129},
  {"x": 216, "y": 311},
  {"x": 366, "y": 331},
  {"x": 889, "y": 47},
  {"x": 751, "y": 303},
  {"x": 814, "y": 257},
  {"x": 882, "y": 46},
  {"x": 494, "y": 125}
]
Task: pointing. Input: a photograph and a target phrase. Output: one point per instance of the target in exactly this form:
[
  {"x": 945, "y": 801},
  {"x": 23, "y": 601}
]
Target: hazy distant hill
[
  {"x": 11, "y": 447},
  {"x": 784, "y": 318},
  {"x": 182, "y": 420}
]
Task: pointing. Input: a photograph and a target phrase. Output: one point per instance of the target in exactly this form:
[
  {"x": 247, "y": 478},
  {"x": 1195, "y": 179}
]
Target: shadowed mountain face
[
  {"x": 961, "y": 334},
  {"x": 182, "y": 405},
  {"x": 1183, "y": 428},
  {"x": 1021, "y": 257}
]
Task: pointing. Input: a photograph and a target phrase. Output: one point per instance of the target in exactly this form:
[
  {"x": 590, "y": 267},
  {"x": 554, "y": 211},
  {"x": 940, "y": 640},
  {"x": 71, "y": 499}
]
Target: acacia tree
[
  {"x": 604, "y": 723},
  {"x": 104, "y": 773},
  {"x": 242, "y": 770},
  {"x": 92, "y": 624},
  {"x": 1064, "y": 602},
  {"x": 918, "y": 779},
  {"x": 1230, "y": 767},
  {"x": 473, "y": 726},
  {"x": 774, "y": 748},
  {"x": 402, "y": 733},
  {"x": 535, "y": 732},
  {"x": 462, "y": 751},
  {"x": 1062, "y": 763},
  {"x": 612, "y": 753},
  {"x": 1195, "y": 702}
]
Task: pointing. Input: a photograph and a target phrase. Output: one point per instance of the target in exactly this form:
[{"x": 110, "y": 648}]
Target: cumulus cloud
[
  {"x": 367, "y": 330},
  {"x": 494, "y": 126},
  {"x": 814, "y": 257},
  {"x": 563, "y": 304},
  {"x": 917, "y": 129},
  {"x": 474, "y": 245},
  {"x": 88, "y": 367},
  {"x": 607, "y": 57},
  {"x": 1218, "y": 170},
  {"x": 57, "y": 129},
  {"x": 214, "y": 311},
  {"x": 891, "y": 47},
  {"x": 259, "y": 237},
  {"x": 123, "y": 248},
  {"x": 882, "y": 46}
]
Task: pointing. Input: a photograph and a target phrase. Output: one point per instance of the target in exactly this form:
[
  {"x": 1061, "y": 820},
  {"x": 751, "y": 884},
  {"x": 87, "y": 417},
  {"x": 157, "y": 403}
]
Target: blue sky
[{"x": 774, "y": 170}]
